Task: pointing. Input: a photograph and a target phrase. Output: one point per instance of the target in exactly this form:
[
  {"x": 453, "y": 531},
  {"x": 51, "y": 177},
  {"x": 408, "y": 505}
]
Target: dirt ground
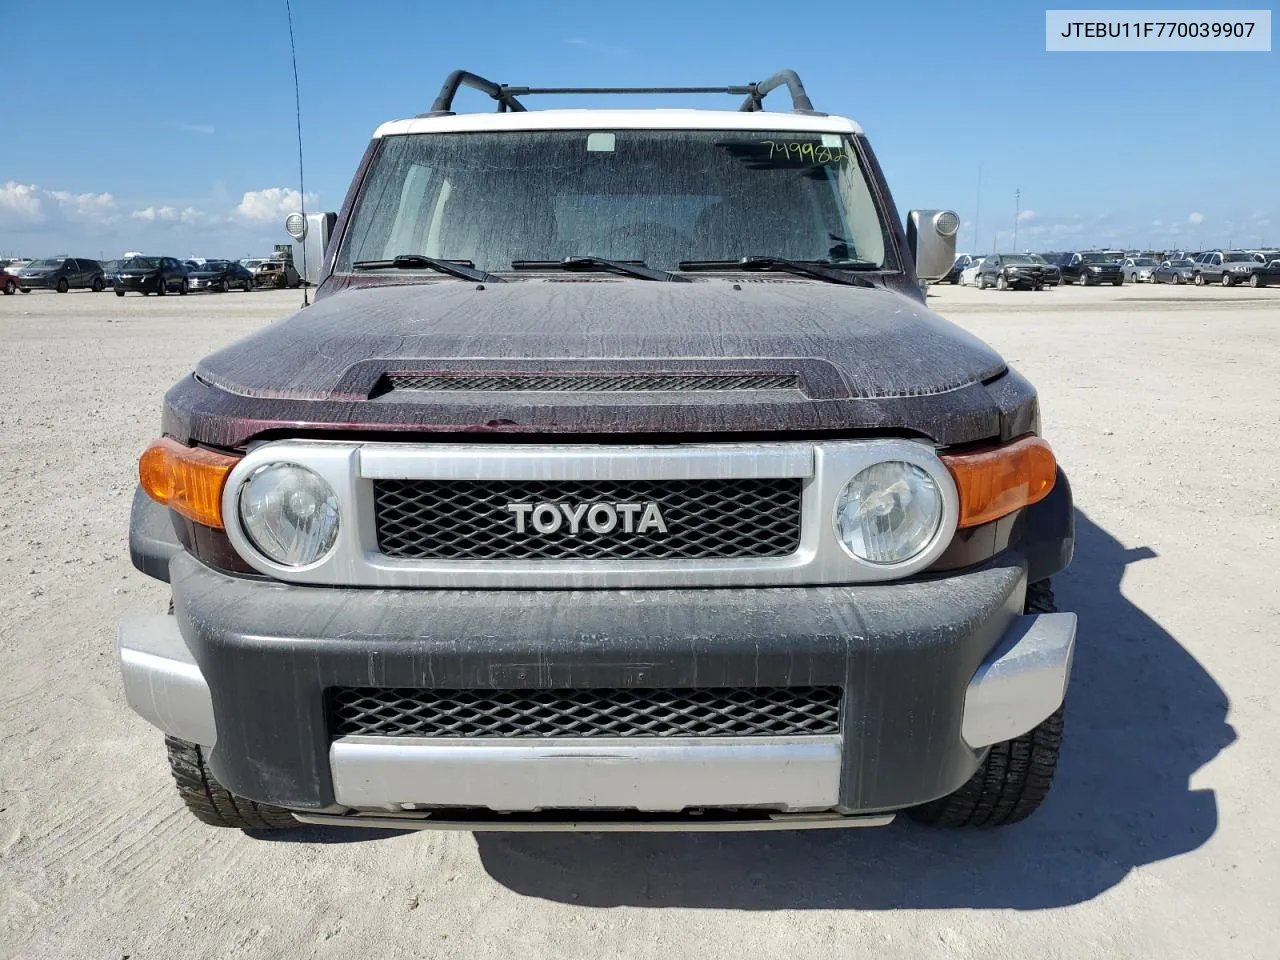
[{"x": 1159, "y": 840}]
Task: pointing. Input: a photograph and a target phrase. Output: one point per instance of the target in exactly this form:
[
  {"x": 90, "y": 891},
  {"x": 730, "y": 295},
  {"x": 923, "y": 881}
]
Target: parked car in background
[
  {"x": 220, "y": 275},
  {"x": 109, "y": 270},
  {"x": 1138, "y": 269},
  {"x": 1052, "y": 272},
  {"x": 276, "y": 273},
  {"x": 969, "y": 275},
  {"x": 146, "y": 275},
  {"x": 1011, "y": 271},
  {"x": 1089, "y": 267},
  {"x": 8, "y": 282},
  {"x": 1227, "y": 267},
  {"x": 1174, "y": 271},
  {"x": 963, "y": 261},
  {"x": 252, "y": 263},
  {"x": 61, "y": 274}
]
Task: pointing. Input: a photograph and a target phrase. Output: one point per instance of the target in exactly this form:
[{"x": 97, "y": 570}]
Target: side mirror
[
  {"x": 312, "y": 232},
  {"x": 931, "y": 235}
]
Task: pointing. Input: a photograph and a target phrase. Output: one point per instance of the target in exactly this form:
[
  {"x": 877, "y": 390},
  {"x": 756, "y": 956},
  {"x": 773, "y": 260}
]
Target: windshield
[
  {"x": 657, "y": 196},
  {"x": 140, "y": 263},
  {"x": 1096, "y": 258},
  {"x": 1017, "y": 258},
  {"x": 1239, "y": 258},
  {"x": 1143, "y": 262},
  {"x": 212, "y": 266},
  {"x": 1036, "y": 258},
  {"x": 1182, "y": 263},
  {"x": 51, "y": 264}
]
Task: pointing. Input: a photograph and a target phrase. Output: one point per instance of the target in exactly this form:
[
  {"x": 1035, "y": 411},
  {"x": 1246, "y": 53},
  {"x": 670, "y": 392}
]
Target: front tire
[
  {"x": 10, "y": 288},
  {"x": 119, "y": 293},
  {"x": 1084, "y": 279},
  {"x": 1016, "y": 775},
  {"x": 182, "y": 287},
  {"x": 1199, "y": 280},
  {"x": 63, "y": 286},
  {"x": 248, "y": 286},
  {"x": 1227, "y": 279},
  {"x": 1002, "y": 283},
  {"x": 212, "y": 803},
  {"x": 97, "y": 286},
  {"x": 1255, "y": 280}
]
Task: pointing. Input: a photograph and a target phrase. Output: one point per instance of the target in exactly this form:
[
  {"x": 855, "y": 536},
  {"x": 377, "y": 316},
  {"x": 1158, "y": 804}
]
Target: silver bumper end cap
[
  {"x": 588, "y": 773},
  {"x": 1023, "y": 682},
  {"x": 162, "y": 681}
]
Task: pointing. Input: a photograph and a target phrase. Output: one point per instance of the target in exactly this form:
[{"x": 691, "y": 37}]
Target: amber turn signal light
[
  {"x": 995, "y": 482},
  {"x": 186, "y": 479}
]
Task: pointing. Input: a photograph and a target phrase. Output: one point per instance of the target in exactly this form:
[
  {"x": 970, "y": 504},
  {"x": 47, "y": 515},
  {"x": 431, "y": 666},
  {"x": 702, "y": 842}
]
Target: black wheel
[
  {"x": 183, "y": 287},
  {"x": 1084, "y": 279},
  {"x": 26, "y": 289},
  {"x": 119, "y": 293},
  {"x": 248, "y": 286},
  {"x": 1016, "y": 775},
  {"x": 982, "y": 282},
  {"x": 10, "y": 288},
  {"x": 1118, "y": 281},
  {"x": 1199, "y": 279},
  {"x": 1227, "y": 279},
  {"x": 63, "y": 286},
  {"x": 97, "y": 286},
  {"x": 222, "y": 286},
  {"x": 162, "y": 288},
  {"x": 211, "y": 802},
  {"x": 1177, "y": 279},
  {"x": 1255, "y": 280}
]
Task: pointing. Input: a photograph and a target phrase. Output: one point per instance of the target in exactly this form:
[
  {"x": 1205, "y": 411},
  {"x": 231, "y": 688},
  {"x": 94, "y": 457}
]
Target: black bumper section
[{"x": 904, "y": 654}]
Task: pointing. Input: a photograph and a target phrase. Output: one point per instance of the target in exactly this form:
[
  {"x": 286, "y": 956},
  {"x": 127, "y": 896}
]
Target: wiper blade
[
  {"x": 628, "y": 268},
  {"x": 463, "y": 270},
  {"x": 819, "y": 270}
]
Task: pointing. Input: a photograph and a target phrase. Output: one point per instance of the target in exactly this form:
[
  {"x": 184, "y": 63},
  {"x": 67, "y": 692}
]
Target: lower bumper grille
[{"x": 623, "y": 712}]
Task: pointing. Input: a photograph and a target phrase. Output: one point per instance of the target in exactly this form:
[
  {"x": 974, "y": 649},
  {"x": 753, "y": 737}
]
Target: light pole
[{"x": 1017, "y": 211}]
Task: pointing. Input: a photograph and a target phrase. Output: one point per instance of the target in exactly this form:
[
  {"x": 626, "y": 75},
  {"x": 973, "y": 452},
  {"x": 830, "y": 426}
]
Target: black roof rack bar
[
  {"x": 791, "y": 80},
  {"x": 506, "y": 95}
]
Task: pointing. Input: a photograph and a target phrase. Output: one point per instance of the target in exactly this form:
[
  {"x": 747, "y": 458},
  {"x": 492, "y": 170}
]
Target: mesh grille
[
  {"x": 696, "y": 712},
  {"x": 705, "y": 519},
  {"x": 581, "y": 383}
]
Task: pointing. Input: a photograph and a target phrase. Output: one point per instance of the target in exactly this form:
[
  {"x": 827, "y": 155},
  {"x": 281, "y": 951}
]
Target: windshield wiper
[
  {"x": 628, "y": 268},
  {"x": 819, "y": 270},
  {"x": 463, "y": 270}
]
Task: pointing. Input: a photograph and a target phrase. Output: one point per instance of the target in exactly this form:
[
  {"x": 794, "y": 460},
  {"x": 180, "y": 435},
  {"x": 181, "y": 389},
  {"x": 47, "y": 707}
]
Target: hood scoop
[{"x": 583, "y": 382}]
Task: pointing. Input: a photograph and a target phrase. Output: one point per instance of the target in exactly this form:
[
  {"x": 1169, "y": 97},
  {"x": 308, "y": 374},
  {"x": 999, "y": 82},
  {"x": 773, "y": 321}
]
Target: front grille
[
  {"x": 577, "y": 383},
  {"x": 627, "y": 712},
  {"x": 705, "y": 519}
]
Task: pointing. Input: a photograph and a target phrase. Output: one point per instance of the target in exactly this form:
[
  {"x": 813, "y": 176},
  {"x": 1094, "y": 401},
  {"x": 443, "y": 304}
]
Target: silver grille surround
[{"x": 351, "y": 467}]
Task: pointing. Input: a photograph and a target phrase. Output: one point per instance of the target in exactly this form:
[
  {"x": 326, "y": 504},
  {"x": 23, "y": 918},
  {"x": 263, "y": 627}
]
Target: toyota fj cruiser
[{"x": 618, "y": 478}]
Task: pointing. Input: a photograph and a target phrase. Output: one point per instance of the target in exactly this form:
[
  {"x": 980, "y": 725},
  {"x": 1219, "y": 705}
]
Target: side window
[{"x": 1217, "y": 259}]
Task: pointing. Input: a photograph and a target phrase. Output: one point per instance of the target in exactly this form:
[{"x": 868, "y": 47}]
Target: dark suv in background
[
  {"x": 1089, "y": 268},
  {"x": 61, "y": 274},
  {"x": 144, "y": 275}
]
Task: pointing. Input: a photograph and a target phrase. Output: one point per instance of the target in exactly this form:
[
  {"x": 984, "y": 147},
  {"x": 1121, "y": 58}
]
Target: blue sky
[{"x": 161, "y": 130}]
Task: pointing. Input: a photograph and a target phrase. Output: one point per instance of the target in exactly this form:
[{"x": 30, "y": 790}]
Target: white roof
[{"x": 666, "y": 119}]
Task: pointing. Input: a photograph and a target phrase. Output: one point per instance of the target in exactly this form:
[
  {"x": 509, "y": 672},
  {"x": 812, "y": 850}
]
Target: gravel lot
[{"x": 1160, "y": 839}]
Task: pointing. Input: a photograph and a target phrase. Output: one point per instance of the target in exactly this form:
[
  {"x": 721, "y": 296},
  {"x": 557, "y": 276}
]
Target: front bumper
[
  {"x": 38, "y": 283},
  {"x": 931, "y": 672},
  {"x": 136, "y": 284}
]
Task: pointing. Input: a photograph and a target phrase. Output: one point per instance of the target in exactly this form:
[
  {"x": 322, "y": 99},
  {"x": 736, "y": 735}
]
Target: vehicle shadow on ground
[{"x": 1142, "y": 717}]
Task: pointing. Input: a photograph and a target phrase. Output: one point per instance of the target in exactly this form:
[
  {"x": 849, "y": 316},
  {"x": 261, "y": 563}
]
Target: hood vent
[{"x": 591, "y": 383}]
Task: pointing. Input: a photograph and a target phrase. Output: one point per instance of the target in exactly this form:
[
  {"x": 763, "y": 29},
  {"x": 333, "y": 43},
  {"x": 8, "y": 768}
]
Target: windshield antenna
[{"x": 297, "y": 109}]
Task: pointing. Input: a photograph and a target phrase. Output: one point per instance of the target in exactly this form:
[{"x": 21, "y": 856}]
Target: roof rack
[{"x": 506, "y": 96}]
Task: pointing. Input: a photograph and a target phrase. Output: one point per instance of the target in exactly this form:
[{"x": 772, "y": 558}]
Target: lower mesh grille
[
  {"x": 626, "y": 712},
  {"x": 595, "y": 382}
]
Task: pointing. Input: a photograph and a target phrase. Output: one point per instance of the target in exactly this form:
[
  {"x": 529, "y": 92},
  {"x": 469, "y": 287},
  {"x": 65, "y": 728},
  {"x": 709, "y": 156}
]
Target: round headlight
[
  {"x": 889, "y": 512},
  {"x": 289, "y": 513}
]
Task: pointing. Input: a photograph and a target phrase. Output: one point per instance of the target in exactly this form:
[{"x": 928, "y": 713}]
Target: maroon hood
[{"x": 826, "y": 357}]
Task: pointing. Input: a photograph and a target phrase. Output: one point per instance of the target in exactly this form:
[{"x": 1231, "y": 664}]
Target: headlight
[
  {"x": 889, "y": 513},
  {"x": 289, "y": 513}
]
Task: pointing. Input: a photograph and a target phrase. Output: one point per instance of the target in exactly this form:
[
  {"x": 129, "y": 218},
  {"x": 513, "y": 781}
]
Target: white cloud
[
  {"x": 273, "y": 203},
  {"x": 20, "y": 202},
  {"x": 26, "y": 204},
  {"x": 1157, "y": 223},
  {"x": 1026, "y": 215},
  {"x": 154, "y": 214},
  {"x": 1196, "y": 218}
]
